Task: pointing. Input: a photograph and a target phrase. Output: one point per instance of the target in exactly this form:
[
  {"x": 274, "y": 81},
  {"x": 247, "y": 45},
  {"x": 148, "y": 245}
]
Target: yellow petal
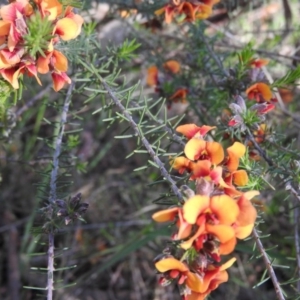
[
  {"x": 194, "y": 207},
  {"x": 238, "y": 149},
  {"x": 241, "y": 232},
  {"x": 228, "y": 264},
  {"x": 225, "y": 208},
  {"x": 194, "y": 148},
  {"x": 170, "y": 263},
  {"x": 165, "y": 215},
  {"x": 67, "y": 29},
  {"x": 228, "y": 247},
  {"x": 215, "y": 152},
  {"x": 223, "y": 232}
]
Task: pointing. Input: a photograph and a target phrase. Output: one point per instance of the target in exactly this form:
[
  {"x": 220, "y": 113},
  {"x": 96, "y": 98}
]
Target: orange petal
[
  {"x": 165, "y": 215},
  {"x": 240, "y": 177},
  {"x": 193, "y": 281},
  {"x": 59, "y": 80},
  {"x": 152, "y": 74},
  {"x": 181, "y": 164},
  {"x": 60, "y": 62},
  {"x": 194, "y": 148},
  {"x": 193, "y": 207},
  {"x": 43, "y": 63},
  {"x": 190, "y": 130},
  {"x": 179, "y": 95},
  {"x": 203, "y": 11},
  {"x": 170, "y": 263},
  {"x": 259, "y": 88},
  {"x": 4, "y": 27},
  {"x": 215, "y": 152},
  {"x": 241, "y": 232},
  {"x": 184, "y": 228},
  {"x": 248, "y": 213},
  {"x": 223, "y": 232},
  {"x": 225, "y": 208},
  {"x": 67, "y": 29},
  {"x": 228, "y": 247},
  {"x": 201, "y": 168},
  {"x": 188, "y": 244},
  {"x": 172, "y": 66},
  {"x": 208, "y": 277},
  {"x": 11, "y": 75},
  {"x": 238, "y": 149}
]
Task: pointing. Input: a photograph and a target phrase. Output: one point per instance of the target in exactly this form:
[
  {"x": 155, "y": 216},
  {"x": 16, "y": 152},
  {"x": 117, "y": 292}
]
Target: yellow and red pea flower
[
  {"x": 191, "y": 10},
  {"x": 15, "y": 59},
  {"x": 260, "y": 92}
]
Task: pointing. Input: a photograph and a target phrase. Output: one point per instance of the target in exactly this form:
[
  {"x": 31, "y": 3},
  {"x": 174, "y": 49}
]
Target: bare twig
[
  {"x": 58, "y": 142},
  {"x": 261, "y": 151},
  {"x": 37, "y": 97},
  {"x": 268, "y": 264},
  {"x": 52, "y": 196},
  {"x": 213, "y": 55},
  {"x": 145, "y": 142}
]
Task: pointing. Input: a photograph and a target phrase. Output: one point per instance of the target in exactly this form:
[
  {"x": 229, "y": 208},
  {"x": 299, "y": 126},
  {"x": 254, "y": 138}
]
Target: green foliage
[
  {"x": 38, "y": 36},
  {"x": 125, "y": 51},
  {"x": 289, "y": 78}
]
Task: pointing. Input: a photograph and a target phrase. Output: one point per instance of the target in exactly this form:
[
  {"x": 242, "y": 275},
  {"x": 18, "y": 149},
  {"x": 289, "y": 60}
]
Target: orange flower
[
  {"x": 258, "y": 62},
  {"x": 174, "y": 214},
  {"x": 260, "y": 92},
  {"x": 12, "y": 74},
  {"x": 235, "y": 152},
  {"x": 172, "y": 66},
  {"x": 192, "y": 130},
  {"x": 53, "y": 60},
  {"x": 244, "y": 223},
  {"x": 191, "y": 11},
  {"x": 213, "y": 216},
  {"x": 172, "y": 10},
  {"x": 59, "y": 80},
  {"x": 260, "y": 134},
  {"x": 179, "y": 95},
  {"x": 175, "y": 269},
  {"x": 181, "y": 164},
  {"x": 152, "y": 76},
  {"x": 196, "y": 286},
  {"x": 204, "y": 169},
  {"x": 203, "y": 11},
  {"x": 49, "y": 8},
  {"x": 13, "y": 21},
  {"x": 213, "y": 277},
  {"x": 199, "y": 149}
]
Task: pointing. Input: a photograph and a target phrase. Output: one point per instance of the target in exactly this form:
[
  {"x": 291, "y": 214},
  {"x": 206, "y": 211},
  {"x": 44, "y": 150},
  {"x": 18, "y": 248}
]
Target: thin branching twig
[
  {"x": 52, "y": 196},
  {"x": 37, "y": 97},
  {"x": 268, "y": 264},
  {"x": 145, "y": 142}
]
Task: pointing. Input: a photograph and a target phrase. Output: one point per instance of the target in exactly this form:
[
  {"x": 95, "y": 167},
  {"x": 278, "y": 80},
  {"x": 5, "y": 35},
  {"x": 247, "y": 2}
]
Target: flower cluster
[
  {"x": 29, "y": 33},
  {"x": 210, "y": 220},
  {"x": 244, "y": 115},
  {"x": 163, "y": 79},
  {"x": 191, "y": 10}
]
